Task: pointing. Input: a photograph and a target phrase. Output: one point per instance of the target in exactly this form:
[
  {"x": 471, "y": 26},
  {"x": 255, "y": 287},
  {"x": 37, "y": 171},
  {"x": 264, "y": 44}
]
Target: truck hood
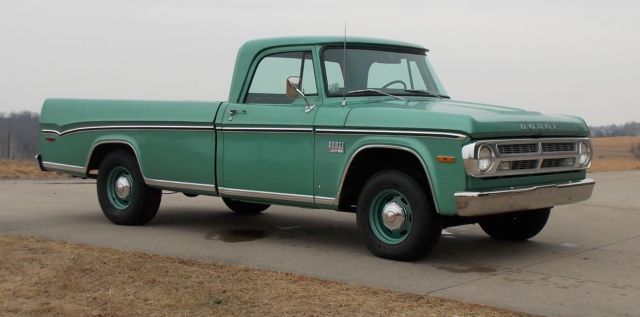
[{"x": 479, "y": 121}]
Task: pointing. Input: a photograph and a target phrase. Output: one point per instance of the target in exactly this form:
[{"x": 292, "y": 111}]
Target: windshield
[{"x": 399, "y": 73}]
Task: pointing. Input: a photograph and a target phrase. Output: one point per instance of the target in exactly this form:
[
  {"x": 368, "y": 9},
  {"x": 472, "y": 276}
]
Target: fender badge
[{"x": 336, "y": 147}]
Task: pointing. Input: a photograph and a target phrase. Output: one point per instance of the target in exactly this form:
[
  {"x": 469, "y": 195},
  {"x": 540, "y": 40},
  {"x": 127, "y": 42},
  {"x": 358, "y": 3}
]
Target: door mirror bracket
[{"x": 293, "y": 91}]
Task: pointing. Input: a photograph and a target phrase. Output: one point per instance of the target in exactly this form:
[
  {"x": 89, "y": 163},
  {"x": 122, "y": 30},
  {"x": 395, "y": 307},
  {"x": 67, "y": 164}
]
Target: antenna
[{"x": 344, "y": 65}]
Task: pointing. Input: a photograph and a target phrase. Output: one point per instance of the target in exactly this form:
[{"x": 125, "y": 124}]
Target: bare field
[
  {"x": 24, "y": 169},
  {"x": 614, "y": 154},
  {"x": 48, "y": 278}
]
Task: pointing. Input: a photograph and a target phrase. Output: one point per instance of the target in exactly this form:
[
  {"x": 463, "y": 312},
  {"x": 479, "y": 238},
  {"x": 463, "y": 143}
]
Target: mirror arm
[{"x": 307, "y": 107}]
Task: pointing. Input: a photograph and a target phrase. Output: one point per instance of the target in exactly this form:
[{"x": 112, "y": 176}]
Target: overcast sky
[{"x": 575, "y": 57}]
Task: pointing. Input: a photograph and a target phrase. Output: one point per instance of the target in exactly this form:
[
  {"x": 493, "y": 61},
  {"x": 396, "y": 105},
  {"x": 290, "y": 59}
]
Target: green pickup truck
[{"x": 358, "y": 125}]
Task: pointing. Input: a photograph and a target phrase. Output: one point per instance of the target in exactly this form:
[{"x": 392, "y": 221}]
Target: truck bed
[{"x": 174, "y": 141}]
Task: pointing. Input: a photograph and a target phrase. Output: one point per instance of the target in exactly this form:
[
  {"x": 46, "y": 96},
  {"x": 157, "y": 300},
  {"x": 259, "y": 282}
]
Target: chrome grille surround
[{"x": 549, "y": 154}]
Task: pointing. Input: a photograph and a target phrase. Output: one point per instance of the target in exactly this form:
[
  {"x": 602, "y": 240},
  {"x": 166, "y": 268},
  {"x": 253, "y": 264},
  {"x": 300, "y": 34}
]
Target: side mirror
[
  {"x": 293, "y": 91},
  {"x": 292, "y": 84}
]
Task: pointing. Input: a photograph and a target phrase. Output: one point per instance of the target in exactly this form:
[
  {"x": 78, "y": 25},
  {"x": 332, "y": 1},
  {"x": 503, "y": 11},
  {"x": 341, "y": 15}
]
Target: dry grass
[
  {"x": 614, "y": 154},
  {"x": 47, "y": 278},
  {"x": 24, "y": 169}
]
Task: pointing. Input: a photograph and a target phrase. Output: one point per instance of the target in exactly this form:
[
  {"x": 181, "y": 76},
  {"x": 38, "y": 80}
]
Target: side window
[{"x": 268, "y": 83}]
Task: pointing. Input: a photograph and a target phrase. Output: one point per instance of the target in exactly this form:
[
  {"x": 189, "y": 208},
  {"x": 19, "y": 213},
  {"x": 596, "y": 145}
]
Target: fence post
[{"x": 9, "y": 144}]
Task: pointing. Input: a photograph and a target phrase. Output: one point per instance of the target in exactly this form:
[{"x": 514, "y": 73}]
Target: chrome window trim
[
  {"x": 247, "y": 193},
  {"x": 385, "y": 146},
  {"x": 470, "y": 152},
  {"x": 129, "y": 127}
]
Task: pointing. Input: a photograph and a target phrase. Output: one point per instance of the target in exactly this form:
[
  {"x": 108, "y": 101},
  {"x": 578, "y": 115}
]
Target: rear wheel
[
  {"x": 395, "y": 218},
  {"x": 245, "y": 208},
  {"x": 122, "y": 193},
  {"x": 516, "y": 226}
]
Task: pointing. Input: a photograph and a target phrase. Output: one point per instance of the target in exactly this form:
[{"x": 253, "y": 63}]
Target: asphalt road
[{"x": 585, "y": 263}]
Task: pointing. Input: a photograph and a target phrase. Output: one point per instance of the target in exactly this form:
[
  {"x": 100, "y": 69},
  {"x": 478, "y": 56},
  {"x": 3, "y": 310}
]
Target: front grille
[
  {"x": 524, "y": 165},
  {"x": 558, "y": 147},
  {"x": 518, "y": 148},
  {"x": 525, "y": 156}
]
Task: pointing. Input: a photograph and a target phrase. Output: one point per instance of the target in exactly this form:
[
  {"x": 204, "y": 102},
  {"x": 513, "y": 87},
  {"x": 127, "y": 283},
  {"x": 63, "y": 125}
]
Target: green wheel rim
[
  {"x": 117, "y": 201},
  {"x": 376, "y": 217}
]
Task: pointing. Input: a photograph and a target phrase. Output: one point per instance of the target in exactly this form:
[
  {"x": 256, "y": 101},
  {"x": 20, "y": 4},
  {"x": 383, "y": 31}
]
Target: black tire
[
  {"x": 421, "y": 228},
  {"x": 142, "y": 203},
  {"x": 516, "y": 226},
  {"x": 245, "y": 208}
]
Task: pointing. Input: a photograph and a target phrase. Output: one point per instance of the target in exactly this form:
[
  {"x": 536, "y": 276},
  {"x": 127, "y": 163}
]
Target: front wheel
[
  {"x": 395, "y": 217},
  {"x": 517, "y": 226},
  {"x": 124, "y": 197}
]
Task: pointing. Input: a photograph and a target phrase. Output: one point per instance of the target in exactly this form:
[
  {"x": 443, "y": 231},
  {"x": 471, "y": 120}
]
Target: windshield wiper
[
  {"x": 360, "y": 91},
  {"x": 425, "y": 93}
]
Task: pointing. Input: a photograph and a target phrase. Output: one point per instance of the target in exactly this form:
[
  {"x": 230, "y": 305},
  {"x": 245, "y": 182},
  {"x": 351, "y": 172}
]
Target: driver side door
[{"x": 268, "y": 139}]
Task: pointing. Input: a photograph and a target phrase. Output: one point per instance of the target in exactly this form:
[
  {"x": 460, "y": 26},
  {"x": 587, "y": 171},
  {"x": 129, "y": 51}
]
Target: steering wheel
[{"x": 395, "y": 82}]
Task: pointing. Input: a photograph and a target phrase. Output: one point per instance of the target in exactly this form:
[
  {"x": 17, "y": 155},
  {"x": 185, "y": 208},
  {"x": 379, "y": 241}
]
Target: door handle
[{"x": 233, "y": 112}]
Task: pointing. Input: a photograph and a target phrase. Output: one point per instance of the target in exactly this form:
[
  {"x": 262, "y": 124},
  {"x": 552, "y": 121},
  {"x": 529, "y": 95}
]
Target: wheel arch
[
  {"x": 355, "y": 174},
  {"x": 101, "y": 148}
]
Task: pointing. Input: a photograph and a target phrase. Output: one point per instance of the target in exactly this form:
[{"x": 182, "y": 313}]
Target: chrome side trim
[
  {"x": 264, "y": 129},
  {"x": 180, "y": 185},
  {"x": 385, "y": 146},
  {"x": 130, "y": 127},
  {"x": 63, "y": 167},
  {"x": 39, "y": 160},
  {"x": 149, "y": 181},
  {"x": 329, "y": 201},
  {"x": 433, "y": 134},
  {"x": 50, "y": 131},
  {"x": 529, "y": 198},
  {"x": 245, "y": 193}
]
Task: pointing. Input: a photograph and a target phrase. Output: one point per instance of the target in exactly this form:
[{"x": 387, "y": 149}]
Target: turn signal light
[{"x": 446, "y": 159}]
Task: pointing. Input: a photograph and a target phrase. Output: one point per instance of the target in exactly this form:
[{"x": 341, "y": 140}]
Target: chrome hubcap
[
  {"x": 123, "y": 187},
  {"x": 393, "y": 216}
]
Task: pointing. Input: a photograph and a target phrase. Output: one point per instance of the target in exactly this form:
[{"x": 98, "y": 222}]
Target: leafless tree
[{"x": 19, "y": 135}]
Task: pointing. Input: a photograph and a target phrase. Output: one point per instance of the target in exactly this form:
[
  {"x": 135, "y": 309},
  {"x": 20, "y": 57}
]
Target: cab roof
[
  {"x": 261, "y": 44},
  {"x": 252, "y": 48}
]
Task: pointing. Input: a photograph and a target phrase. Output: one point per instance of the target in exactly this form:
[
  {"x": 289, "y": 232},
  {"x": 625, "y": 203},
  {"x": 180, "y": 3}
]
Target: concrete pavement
[{"x": 585, "y": 263}]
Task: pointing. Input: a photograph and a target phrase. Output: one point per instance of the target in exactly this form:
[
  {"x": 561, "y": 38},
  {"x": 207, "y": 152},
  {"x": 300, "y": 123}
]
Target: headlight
[
  {"x": 585, "y": 153},
  {"x": 486, "y": 158}
]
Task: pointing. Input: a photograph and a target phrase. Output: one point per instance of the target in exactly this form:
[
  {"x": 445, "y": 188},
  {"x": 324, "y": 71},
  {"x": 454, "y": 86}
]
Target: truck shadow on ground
[
  {"x": 327, "y": 230},
  {"x": 306, "y": 228}
]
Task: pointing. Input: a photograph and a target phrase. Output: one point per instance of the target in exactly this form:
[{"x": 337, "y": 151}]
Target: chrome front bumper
[{"x": 494, "y": 202}]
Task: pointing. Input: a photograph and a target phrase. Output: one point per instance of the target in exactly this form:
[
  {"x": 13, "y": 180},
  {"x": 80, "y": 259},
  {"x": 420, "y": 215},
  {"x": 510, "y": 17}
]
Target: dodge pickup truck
[{"x": 357, "y": 125}]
